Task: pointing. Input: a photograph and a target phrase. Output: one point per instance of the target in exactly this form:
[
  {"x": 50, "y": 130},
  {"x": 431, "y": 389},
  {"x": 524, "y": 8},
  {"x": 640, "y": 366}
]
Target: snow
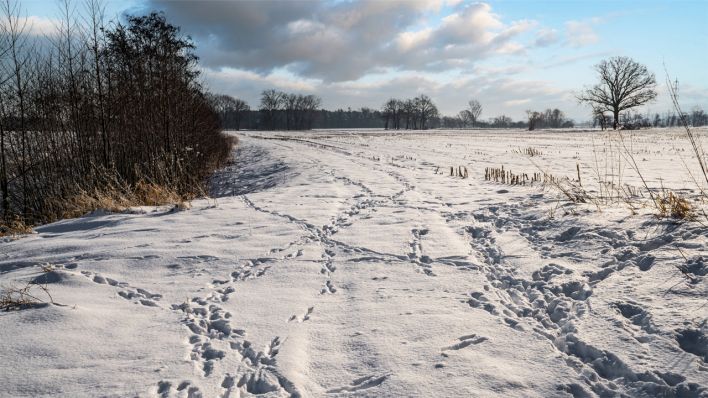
[{"x": 345, "y": 263}]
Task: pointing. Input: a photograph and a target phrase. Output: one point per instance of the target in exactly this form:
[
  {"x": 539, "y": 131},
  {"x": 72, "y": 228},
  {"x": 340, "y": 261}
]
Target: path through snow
[{"x": 339, "y": 263}]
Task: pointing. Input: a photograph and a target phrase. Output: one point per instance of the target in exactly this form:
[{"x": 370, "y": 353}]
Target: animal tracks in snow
[
  {"x": 136, "y": 295},
  {"x": 359, "y": 384},
  {"x": 302, "y": 318},
  {"x": 465, "y": 341}
]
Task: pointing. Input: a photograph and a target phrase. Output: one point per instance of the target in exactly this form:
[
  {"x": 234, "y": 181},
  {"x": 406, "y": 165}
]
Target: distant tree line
[
  {"x": 549, "y": 119},
  {"x": 277, "y": 111},
  {"x": 96, "y": 108},
  {"x": 414, "y": 114},
  {"x": 696, "y": 118},
  {"x": 249, "y": 119}
]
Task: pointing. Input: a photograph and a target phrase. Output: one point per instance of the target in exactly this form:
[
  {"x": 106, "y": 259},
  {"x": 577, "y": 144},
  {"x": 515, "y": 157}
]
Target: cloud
[
  {"x": 517, "y": 102},
  {"x": 341, "y": 41},
  {"x": 35, "y": 25},
  {"x": 546, "y": 37},
  {"x": 581, "y": 33}
]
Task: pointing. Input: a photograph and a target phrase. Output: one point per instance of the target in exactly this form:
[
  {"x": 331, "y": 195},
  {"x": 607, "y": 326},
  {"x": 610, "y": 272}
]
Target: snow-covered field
[{"x": 343, "y": 263}]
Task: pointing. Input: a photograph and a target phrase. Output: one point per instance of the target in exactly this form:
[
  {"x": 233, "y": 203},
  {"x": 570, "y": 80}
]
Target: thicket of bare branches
[
  {"x": 470, "y": 115},
  {"x": 232, "y": 111},
  {"x": 98, "y": 108},
  {"x": 287, "y": 111},
  {"x": 549, "y": 119},
  {"x": 416, "y": 113}
]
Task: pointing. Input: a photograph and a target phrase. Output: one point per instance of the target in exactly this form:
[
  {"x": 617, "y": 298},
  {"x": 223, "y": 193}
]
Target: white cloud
[
  {"x": 546, "y": 37},
  {"x": 517, "y": 102},
  {"x": 580, "y": 33},
  {"x": 344, "y": 40},
  {"x": 35, "y": 25}
]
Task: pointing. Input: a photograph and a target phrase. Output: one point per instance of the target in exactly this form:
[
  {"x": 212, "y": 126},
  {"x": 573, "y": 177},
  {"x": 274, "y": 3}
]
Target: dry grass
[
  {"x": 669, "y": 204},
  {"x": 529, "y": 151},
  {"x": 460, "y": 171},
  {"x": 17, "y": 298},
  {"x": 117, "y": 198},
  {"x": 14, "y": 227}
]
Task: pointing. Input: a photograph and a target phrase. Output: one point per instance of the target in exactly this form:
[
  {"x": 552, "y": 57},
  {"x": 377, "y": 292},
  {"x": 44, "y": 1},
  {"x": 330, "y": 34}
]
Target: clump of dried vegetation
[
  {"x": 528, "y": 151},
  {"x": 27, "y": 296},
  {"x": 17, "y": 298},
  {"x": 670, "y": 204},
  {"x": 14, "y": 226},
  {"x": 459, "y": 171}
]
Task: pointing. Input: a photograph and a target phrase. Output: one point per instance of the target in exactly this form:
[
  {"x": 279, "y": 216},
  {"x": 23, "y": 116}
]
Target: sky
[{"x": 511, "y": 56}]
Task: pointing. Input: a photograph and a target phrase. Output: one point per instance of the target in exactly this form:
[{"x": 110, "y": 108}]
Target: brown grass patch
[
  {"x": 14, "y": 227},
  {"x": 672, "y": 205}
]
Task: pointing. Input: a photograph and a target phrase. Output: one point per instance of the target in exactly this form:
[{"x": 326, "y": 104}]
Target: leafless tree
[
  {"x": 4, "y": 191},
  {"x": 533, "y": 117},
  {"x": 465, "y": 117},
  {"x": 271, "y": 102},
  {"x": 426, "y": 110},
  {"x": 502, "y": 121},
  {"x": 99, "y": 110},
  {"x": 474, "y": 111},
  {"x": 231, "y": 110},
  {"x": 624, "y": 84},
  {"x": 240, "y": 108},
  {"x": 392, "y": 114},
  {"x": 408, "y": 110}
]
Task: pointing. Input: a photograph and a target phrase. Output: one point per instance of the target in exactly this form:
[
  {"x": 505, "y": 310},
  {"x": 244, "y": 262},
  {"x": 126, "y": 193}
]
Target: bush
[{"x": 107, "y": 117}]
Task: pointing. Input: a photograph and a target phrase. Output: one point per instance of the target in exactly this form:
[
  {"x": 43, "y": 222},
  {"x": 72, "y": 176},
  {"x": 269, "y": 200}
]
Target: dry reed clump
[
  {"x": 118, "y": 197},
  {"x": 459, "y": 171},
  {"x": 670, "y": 204},
  {"x": 154, "y": 195},
  {"x": 14, "y": 226},
  {"x": 508, "y": 177},
  {"x": 529, "y": 151}
]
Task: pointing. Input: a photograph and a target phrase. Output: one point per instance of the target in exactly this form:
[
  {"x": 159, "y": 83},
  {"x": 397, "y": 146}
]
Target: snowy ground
[{"x": 339, "y": 263}]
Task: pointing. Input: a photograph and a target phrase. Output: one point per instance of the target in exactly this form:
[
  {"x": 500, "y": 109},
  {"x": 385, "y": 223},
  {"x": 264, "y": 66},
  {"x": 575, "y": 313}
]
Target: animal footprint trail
[
  {"x": 258, "y": 371},
  {"x": 465, "y": 341},
  {"x": 328, "y": 288},
  {"x": 416, "y": 255},
  {"x": 136, "y": 295},
  {"x": 304, "y": 317},
  {"x": 359, "y": 384},
  {"x": 556, "y": 297},
  {"x": 328, "y": 268},
  {"x": 166, "y": 389},
  {"x": 214, "y": 339}
]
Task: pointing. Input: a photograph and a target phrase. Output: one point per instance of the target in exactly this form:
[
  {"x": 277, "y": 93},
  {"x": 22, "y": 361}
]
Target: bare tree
[
  {"x": 99, "y": 111},
  {"x": 4, "y": 190},
  {"x": 391, "y": 113},
  {"x": 240, "y": 107},
  {"x": 17, "y": 60},
  {"x": 309, "y": 104},
  {"x": 409, "y": 113},
  {"x": 624, "y": 84},
  {"x": 473, "y": 111},
  {"x": 426, "y": 110},
  {"x": 231, "y": 110},
  {"x": 271, "y": 102},
  {"x": 465, "y": 117},
  {"x": 533, "y": 117}
]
